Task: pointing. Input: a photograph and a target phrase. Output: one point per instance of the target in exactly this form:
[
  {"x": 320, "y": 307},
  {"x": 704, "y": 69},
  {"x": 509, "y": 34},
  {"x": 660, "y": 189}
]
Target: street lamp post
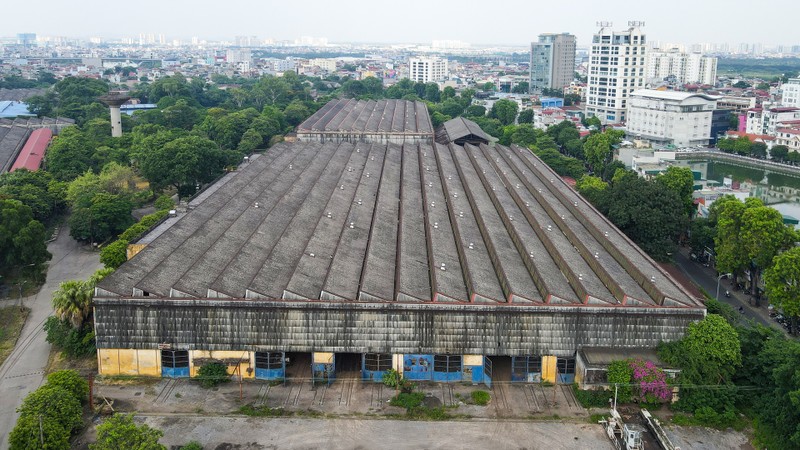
[{"x": 719, "y": 278}]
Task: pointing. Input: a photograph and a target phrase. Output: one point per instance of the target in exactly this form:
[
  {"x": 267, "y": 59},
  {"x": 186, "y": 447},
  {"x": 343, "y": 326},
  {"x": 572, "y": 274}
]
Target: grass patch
[
  {"x": 480, "y": 397},
  {"x": 262, "y": 411},
  {"x": 595, "y": 418},
  {"x": 426, "y": 413},
  {"x": 13, "y": 319},
  {"x": 58, "y": 361},
  {"x": 407, "y": 400}
]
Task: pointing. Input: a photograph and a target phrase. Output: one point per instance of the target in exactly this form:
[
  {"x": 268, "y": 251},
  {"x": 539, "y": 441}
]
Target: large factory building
[{"x": 385, "y": 247}]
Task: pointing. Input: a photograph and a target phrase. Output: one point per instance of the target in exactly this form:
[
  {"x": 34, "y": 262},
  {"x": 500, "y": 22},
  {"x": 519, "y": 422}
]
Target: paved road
[
  {"x": 706, "y": 277},
  {"x": 282, "y": 433},
  {"x": 23, "y": 371}
]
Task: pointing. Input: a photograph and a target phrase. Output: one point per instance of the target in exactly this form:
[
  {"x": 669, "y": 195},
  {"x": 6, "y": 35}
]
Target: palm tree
[{"x": 72, "y": 301}]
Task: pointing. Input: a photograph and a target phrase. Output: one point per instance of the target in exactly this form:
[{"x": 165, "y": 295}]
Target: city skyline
[{"x": 684, "y": 22}]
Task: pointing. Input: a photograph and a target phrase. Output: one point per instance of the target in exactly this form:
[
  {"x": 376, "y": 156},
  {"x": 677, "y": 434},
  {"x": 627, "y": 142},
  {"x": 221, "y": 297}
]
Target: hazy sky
[{"x": 485, "y": 22}]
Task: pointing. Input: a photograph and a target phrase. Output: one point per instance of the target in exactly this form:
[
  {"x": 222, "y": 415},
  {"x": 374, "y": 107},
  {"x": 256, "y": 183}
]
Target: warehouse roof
[
  {"x": 390, "y": 223},
  {"x": 461, "y": 131},
  {"x": 369, "y": 117},
  {"x": 32, "y": 153}
]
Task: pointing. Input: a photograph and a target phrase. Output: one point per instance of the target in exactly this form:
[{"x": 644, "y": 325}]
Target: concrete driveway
[{"x": 23, "y": 371}]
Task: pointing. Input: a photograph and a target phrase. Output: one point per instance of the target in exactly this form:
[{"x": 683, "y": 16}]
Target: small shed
[
  {"x": 461, "y": 131},
  {"x": 591, "y": 364}
]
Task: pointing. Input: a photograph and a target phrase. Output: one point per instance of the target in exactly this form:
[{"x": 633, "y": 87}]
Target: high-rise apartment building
[
  {"x": 791, "y": 93},
  {"x": 552, "y": 61},
  {"x": 685, "y": 67},
  {"x": 427, "y": 70},
  {"x": 616, "y": 68}
]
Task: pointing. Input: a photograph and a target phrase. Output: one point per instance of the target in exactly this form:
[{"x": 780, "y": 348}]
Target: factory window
[
  {"x": 527, "y": 364},
  {"x": 269, "y": 360},
  {"x": 173, "y": 359},
  {"x": 447, "y": 363},
  {"x": 566, "y": 365},
  {"x": 377, "y": 361}
]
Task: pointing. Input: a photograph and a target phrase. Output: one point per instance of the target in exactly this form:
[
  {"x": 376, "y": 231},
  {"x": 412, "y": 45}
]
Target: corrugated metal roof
[
  {"x": 398, "y": 223},
  {"x": 32, "y": 153},
  {"x": 459, "y": 129},
  {"x": 352, "y": 116}
]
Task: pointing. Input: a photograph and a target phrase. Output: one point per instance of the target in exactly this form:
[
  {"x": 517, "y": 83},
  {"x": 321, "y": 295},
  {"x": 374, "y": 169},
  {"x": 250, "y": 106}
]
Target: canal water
[{"x": 781, "y": 191}]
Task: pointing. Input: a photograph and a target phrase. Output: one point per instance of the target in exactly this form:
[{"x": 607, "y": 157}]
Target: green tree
[
  {"x": 521, "y": 88},
  {"x": 448, "y": 92},
  {"x": 525, "y": 116},
  {"x": 70, "y": 154},
  {"x": 645, "y": 212},
  {"x": 758, "y": 150},
  {"x": 592, "y": 121},
  {"x": 114, "y": 254},
  {"x": 70, "y": 381},
  {"x": 742, "y": 146},
  {"x": 451, "y": 107},
  {"x": 763, "y": 236},
  {"x": 702, "y": 233},
  {"x": 476, "y": 111},
  {"x": 681, "y": 181},
  {"x": 33, "y": 433},
  {"x": 251, "y": 140},
  {"x": 432, "y": 93},
  {"x": 296, "y": 112},
  {"x": 53, "y": 403},
  {"x": 488, "y": 86},
  {"x": 779, "y": 153},
  {"x": 183, "y": 163},
  {"x": 72, "y": 302},
  {"x": 712, "y": 349},
  {"x": 505, "y": 111},
  {"x": 782, "y": 283},
  {"x": 37, "y": 190},
  {"x": 22, "y": 238},
  {"x": 120, "y": 432},
  {"x": 593, "y": 189},
  {"x": 598, "y": 151},
  {"x": 726, "y": 145},
  {"x": 524, "y": 135},
  {"x": 727, "y": 212}
]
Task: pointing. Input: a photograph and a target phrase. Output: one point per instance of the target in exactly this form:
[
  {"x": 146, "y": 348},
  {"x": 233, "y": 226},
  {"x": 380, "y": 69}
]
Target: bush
[
  {"x": 114, "y": 254},
  {"x": 194, "y": 445},
  {"x": 54, "y": 403},
  {"x": 407, "y": 400},
  {"x": 70, "y": 381},
  {"x": 164, "y": 202},
  {"x": 592, "y": 398},
  {"x": 394, "y": 379},
  {"x": 119, "y": 431},
  {"x": 481, "y": 397},
  {"x": 620, "y": 373},
  {"x": 213, "y": 374},
  {"x": 73, "y": 343}
]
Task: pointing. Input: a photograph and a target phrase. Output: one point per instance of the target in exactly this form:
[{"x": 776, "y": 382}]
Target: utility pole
[{"x": 41, "y": 431}]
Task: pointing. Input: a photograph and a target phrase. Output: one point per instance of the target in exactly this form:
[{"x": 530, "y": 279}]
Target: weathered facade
[{"x": 427, "y": 258}]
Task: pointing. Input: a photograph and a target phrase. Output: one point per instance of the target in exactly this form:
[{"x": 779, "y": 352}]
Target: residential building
[
  {"x": 789, "y": 137},
  {"x": 767, "y": 120},
  {"x": 326, "y": 64},
  {"x": 791, "y": 93},
  {"x": 737, "y": 104},
  {"x": 669, "y": 117},
  {"x": 616, "y": 68},
  {"x": 686, "y": 68},
  {"x": 427, "y": 70},
  {"x": 552, "y": 62}
]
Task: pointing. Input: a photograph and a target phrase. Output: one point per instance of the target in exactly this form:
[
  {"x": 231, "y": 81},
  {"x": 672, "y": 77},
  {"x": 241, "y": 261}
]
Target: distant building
[
  {"x": 668, "y": 117},
  {"x": 789, "y": 137},
  {"x": 328, "y": 65},
  {"x": 427, "y": 70},
  {"x": 283, "y": 65},
  {"x": 685, "y": 67},
  {"x": 768, "y": 120},
  {"x": 791, "y": 93},
  {"x": 26, "y": 39},
  {"x": 737, "y": 104},
  {"x": 616, "y": 68},
  {"x": 552, "y": 61}
]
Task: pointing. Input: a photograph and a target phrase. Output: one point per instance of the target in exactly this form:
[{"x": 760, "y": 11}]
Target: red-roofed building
[
  {"x": 789, "y": 137},
  {"x": 32, "y": 154}
]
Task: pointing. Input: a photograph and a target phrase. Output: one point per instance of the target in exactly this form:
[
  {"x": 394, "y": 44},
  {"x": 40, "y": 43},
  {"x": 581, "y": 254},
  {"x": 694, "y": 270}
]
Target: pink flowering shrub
[{"x": 650, "y": 383}]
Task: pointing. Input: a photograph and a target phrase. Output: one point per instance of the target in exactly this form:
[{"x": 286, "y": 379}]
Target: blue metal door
[{"x": 487, "y": 371}]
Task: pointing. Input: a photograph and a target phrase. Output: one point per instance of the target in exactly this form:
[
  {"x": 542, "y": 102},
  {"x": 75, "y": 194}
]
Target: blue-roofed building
[
  {"x": 12, "y": 109},
  {"x": 551, "y": 102}
]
